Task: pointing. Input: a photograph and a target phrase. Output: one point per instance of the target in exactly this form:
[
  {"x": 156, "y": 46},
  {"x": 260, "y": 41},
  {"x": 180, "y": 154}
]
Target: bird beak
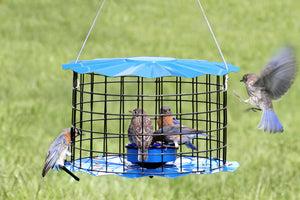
[
  {"x": 131, "y": 111},
  {"x": 244, "y": 79}
]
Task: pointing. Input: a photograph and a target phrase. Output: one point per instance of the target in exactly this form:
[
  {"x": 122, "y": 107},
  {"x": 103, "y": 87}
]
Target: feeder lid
[{"x": 150, "y": 67}]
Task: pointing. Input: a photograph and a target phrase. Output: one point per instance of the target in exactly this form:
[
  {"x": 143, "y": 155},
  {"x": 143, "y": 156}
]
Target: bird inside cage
[{"x": 171, "y": 131}]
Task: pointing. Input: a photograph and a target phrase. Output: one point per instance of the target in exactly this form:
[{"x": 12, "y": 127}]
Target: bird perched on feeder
[
  {"x": 171, "y": 130},
  {"x": 140, "y": 132},
  {"x": 274, "y": 81},
  {"x": 58, "y": 152},
  {"x": 165, "y": 117}
]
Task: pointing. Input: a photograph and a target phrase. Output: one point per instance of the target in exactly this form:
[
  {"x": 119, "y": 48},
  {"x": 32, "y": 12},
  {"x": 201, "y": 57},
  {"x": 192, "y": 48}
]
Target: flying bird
[
  {"x": 58, "y": 152},
  {"x": 140, "y": 132},
  {"x": 274, "y": 81}
]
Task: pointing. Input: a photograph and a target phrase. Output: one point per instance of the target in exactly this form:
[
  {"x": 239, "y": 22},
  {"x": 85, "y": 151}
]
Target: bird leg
[
  {"x": 176, "y": 144},
  {"x": 253, "y": 109},
  {"x": 240, "y": 98},
  {"x": 246, "y": 101}
]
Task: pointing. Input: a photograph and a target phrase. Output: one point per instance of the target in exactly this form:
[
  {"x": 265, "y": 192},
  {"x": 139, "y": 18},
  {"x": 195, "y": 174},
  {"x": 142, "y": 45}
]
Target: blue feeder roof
[{"x": 150, "y": 67}]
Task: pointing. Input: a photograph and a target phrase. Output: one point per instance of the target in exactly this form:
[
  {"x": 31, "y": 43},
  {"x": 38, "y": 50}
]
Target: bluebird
[
  {"x": 170, "y": 130},
  {"x": 58, "y": 152},
  {"x": 165, "y": 117},
  {"x": 140, "y": 132},
  {"x": 172, "y": 133},
  {"x": 274, "y": 81}
]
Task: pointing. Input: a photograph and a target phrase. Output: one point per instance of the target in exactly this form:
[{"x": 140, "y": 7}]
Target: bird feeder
[{"x": 106, "y": 89}]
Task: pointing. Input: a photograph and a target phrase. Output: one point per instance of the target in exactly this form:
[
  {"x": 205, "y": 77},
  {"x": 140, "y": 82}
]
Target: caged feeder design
[{"x": 105, "y": 90}]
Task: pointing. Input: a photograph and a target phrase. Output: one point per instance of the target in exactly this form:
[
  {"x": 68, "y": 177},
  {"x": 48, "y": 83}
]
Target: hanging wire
[
  {"x": 88, "y": 34},
  {"x": 216, "y": 42}
]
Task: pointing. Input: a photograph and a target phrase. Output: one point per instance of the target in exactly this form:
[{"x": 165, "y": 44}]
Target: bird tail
[
  {"x": 200, "y": 133},
  {"x": 143, "y": 154},
  {"x": 190, "y": 145},
  {"x": 270, "y": 119},
  {"x": 45, "y": 170},
  {"x": 204, "y": 135}
]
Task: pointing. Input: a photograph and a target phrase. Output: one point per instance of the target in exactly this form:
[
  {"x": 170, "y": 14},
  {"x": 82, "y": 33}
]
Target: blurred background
[{"x": 37, "y": 37}]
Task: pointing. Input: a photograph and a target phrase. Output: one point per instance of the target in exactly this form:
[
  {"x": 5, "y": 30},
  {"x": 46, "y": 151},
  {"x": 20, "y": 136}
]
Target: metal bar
[
  {"x": 74, "y": 99},
  {"x": 225, "y": 123},
  {"x": 81, "y": 113},
  {"x": 91, "y": 116},
  {"x": 105, "y": 146}
]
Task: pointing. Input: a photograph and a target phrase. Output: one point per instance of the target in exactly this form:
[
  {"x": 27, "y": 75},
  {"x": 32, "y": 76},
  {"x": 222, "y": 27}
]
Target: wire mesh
[{"x": 100, "y": 110}]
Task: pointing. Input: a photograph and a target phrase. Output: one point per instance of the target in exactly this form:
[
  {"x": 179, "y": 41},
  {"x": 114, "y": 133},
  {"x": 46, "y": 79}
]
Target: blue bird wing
[
  {"x": 55, "y": 150},
  {"x": 173, "y": 132},
  {"x": 278, "y": 75},
  {"x": 175, "y": 121},
  {"x": 190, "y": 145}
]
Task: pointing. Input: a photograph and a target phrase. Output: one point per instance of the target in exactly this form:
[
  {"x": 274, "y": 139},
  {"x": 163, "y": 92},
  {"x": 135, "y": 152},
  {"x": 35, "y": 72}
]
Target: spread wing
[
  {"x": 278, "y": 75},
  {"x": 55, "y": 150}
]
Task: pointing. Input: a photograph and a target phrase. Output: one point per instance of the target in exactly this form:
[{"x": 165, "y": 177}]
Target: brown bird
[
  {"x": 140, "y": 132},
  {"x": 275, "y": 79}
]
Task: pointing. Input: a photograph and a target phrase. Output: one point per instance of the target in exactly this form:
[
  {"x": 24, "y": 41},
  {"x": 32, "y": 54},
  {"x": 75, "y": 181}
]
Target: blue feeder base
[{"x": 114, "y": 165}]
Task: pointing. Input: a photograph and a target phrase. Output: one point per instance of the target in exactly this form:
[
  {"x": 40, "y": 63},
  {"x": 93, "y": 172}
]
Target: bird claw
[
  {"x": 69, "y": 153},
  {"x": 238, "y": 96},
  {"x": 253, "y": 109},
  {"x": 176, "y": 145}
]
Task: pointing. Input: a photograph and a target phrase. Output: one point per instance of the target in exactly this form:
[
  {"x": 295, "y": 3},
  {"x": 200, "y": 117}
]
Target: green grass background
[{"x": 37, "y": 37}]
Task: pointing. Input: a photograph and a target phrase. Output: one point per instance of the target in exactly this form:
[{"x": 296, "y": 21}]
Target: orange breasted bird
[
  {"x": 165, "y": 117},
  {"x": 58, "y": 152},
  {"x": 171, "y": 130}
]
